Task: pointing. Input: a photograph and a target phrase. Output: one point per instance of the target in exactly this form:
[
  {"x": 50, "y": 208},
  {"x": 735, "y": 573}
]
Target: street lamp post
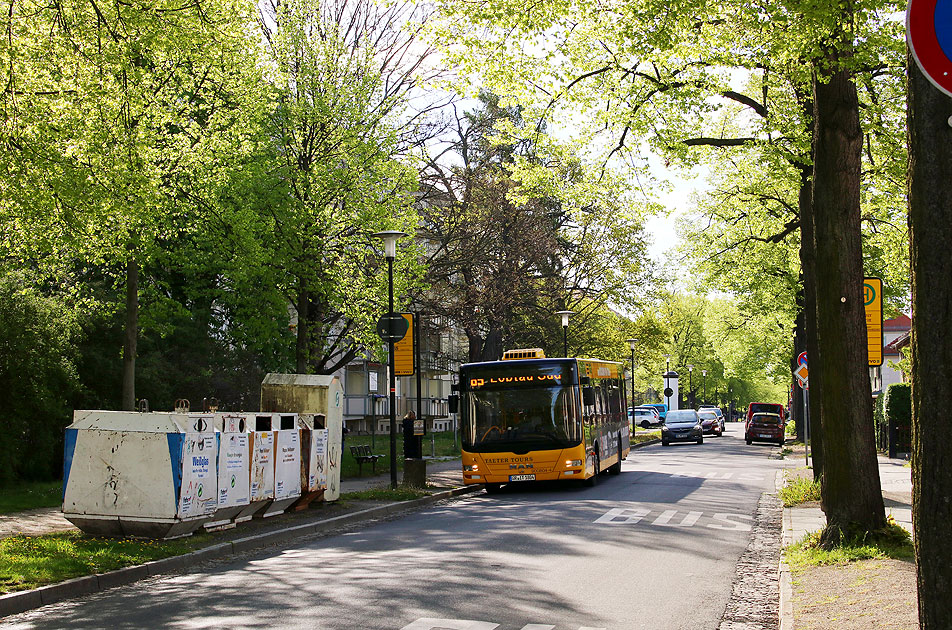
[
  {"x": 631, "y": 344},
  {"x": 389, "y": 238},
  {"x": 565, "y": 329},
  {"x": 691, "y": 384},
  {"x": 667, "y": 369},
  {"x": 704, "y": 373}
]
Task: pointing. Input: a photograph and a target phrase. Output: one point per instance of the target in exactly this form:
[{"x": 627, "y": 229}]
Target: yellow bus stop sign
[
  {"x": 403, "y": 350},
  {"x": 873, "y": 299}
]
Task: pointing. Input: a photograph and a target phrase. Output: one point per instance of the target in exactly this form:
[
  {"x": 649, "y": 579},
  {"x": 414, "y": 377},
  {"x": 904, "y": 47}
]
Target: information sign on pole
[
  {"x": 873, "y": 299},
  {"x": 403, "y": 350},
  {"x": 801, "y": 373}
]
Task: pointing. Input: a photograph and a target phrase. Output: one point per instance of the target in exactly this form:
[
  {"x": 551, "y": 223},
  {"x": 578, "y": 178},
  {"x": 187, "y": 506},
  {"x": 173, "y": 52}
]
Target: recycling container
[
  {"x": 314, "y": 395},
  {"x": 261, "y": 466},
  {"x": 313, "y": 459},
  {"x": 139, "y": 474},
  {"x": 234, "y": 469},
  {"x": 287, "y": 463}
]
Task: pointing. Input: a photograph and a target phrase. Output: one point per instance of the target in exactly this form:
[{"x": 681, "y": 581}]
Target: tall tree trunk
[
  {"x": 930, "y": 225},
  {"x": 852, "y": 496},
  {"x": 492, "y": 349},
  {"x": 131, "y": 335},
  {"x": 301, "y": 346}
]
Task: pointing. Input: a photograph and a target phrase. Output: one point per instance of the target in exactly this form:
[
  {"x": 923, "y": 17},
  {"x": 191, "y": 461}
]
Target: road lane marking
[
  {"x": 666, "y": 516},
  {"x": 432, "y": 623},
  {"x": 717, "y": 476},
  {"x": 616, "y": 516},
  {"x": 669, "y": 518},
  {"x": 728, "y": 524}
]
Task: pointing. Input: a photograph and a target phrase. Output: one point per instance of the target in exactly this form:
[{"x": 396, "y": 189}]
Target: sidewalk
[
  {"x": 856, "y": 595},
  {"x": 896, "y": 482},
  {"x": 441, "y": 474}
]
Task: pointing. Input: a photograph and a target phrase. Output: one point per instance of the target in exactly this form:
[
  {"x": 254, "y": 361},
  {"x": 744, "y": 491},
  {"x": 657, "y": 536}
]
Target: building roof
[
  {"x": 897, "y": 344},
  {"x": 898, "y": 324}
]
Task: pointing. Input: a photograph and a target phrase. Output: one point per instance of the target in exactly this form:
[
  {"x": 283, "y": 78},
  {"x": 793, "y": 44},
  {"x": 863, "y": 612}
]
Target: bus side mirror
[
  {"x": 588, "y": 396},
  {"x": 453, "y": 403}
]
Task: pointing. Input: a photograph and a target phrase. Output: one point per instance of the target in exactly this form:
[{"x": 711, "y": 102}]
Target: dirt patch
[{"x": 856, "y": 596}]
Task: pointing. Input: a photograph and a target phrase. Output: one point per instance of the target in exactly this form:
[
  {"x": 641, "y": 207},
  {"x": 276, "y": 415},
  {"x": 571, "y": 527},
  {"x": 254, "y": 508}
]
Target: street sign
[
  {"x": 802, "y": 359},
  {"x": 403, "y": 349},
  {"x": 398, "y": 330},
  {"x": 873, "y": 301},
  {"x": 929, "y": 34},
  {"x": 802, "y": 373},
  {"x": 668, "y": 392}
]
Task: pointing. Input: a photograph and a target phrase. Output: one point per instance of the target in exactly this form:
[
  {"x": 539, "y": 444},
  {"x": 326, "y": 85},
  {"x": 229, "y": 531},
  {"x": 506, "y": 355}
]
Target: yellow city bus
[{"x": 530, "y": 418}]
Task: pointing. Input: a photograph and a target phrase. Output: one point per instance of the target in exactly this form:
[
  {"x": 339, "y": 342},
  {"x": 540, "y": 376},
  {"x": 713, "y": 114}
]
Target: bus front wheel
[
  {"x": 593, "y": 480},
  {"x": 615, "y": 468}
]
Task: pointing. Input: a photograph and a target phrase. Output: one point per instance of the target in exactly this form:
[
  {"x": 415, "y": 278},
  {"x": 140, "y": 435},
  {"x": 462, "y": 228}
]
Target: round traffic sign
[
  {"x": 802, "y": 359},
  {"x": 929, "y": 33},
  {"x": 668, "y": 392}
]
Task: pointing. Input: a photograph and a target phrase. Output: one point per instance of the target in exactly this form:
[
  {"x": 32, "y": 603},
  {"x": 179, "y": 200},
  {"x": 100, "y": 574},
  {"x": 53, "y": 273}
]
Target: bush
[
  {"x": 37, "y": 377},
  {"x": 898, "y": 405}
]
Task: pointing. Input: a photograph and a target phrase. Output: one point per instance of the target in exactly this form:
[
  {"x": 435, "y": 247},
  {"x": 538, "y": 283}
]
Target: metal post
[
  {"x": 633, "y": 384},
  {"x": 393, "y": 382},
  {"x": 419, "y": 382},
  {"x": 806, "y": 426},
  {"x": 565, "y": 340}
]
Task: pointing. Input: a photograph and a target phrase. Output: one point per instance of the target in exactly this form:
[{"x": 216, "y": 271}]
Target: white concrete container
[
  {"x": 139, "y": 474},
  {"x": 234, "y": 469},
  {"x": 319, "y": 397},
  {"x": 287, "y": 463},
  {"x": 261, "y": 472}
]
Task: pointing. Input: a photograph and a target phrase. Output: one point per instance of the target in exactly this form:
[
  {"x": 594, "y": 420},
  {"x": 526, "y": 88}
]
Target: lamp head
[
  {"x": 632, "y": 343},
  {"x": 565, "y": 317},
  {"x": 389, "y": 238},
  {"x": 690, "y": 368}
]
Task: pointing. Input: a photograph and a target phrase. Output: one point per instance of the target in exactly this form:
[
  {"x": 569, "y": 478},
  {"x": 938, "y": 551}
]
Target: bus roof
[{"x": 596, "y": 368}]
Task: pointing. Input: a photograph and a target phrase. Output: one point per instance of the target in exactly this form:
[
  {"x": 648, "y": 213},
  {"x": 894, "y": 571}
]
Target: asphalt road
[{"x": 654, "y": 547}]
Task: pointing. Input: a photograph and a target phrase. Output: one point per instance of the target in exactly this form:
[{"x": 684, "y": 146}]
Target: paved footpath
[
  {"x": 441, "y": 474},
  {"x": 896, "y": 481}
]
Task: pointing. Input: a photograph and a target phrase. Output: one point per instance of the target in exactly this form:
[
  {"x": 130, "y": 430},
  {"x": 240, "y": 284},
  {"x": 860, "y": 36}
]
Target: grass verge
[
  {"x": 891, "y": 541},
  {"x": 28, "y": 562},
  {"x": 402, "y": 493},
  {"x": 800, "y": 490},
  {"x": 30, "y": 495},
  {"x": 638, "y": 438}
]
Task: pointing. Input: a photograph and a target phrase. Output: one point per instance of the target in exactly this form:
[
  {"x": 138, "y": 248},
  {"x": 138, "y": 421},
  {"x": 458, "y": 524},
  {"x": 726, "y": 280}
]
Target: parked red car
[{"x": 765, "y": 427}]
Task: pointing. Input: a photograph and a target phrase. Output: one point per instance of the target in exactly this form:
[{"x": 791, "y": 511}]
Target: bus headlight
[
  {"x": 573, "y": 462},
  {"x": 472, "y": 468}
]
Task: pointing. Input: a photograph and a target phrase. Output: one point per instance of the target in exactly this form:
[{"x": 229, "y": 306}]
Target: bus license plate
[{"x": 521, "y": 477}]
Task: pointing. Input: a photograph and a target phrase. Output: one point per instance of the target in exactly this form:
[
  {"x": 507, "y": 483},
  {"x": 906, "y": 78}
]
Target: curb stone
[
  {"x": 786, "y": 583},
  {"x": 23, "y": 601}
]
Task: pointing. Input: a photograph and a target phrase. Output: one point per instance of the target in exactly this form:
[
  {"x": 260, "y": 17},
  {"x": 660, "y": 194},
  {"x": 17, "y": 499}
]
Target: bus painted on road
[{"x": 539, "y": 419}]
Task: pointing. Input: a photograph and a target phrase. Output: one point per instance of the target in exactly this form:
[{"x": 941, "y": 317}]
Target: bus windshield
[{"x": 525, "y": 410}]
